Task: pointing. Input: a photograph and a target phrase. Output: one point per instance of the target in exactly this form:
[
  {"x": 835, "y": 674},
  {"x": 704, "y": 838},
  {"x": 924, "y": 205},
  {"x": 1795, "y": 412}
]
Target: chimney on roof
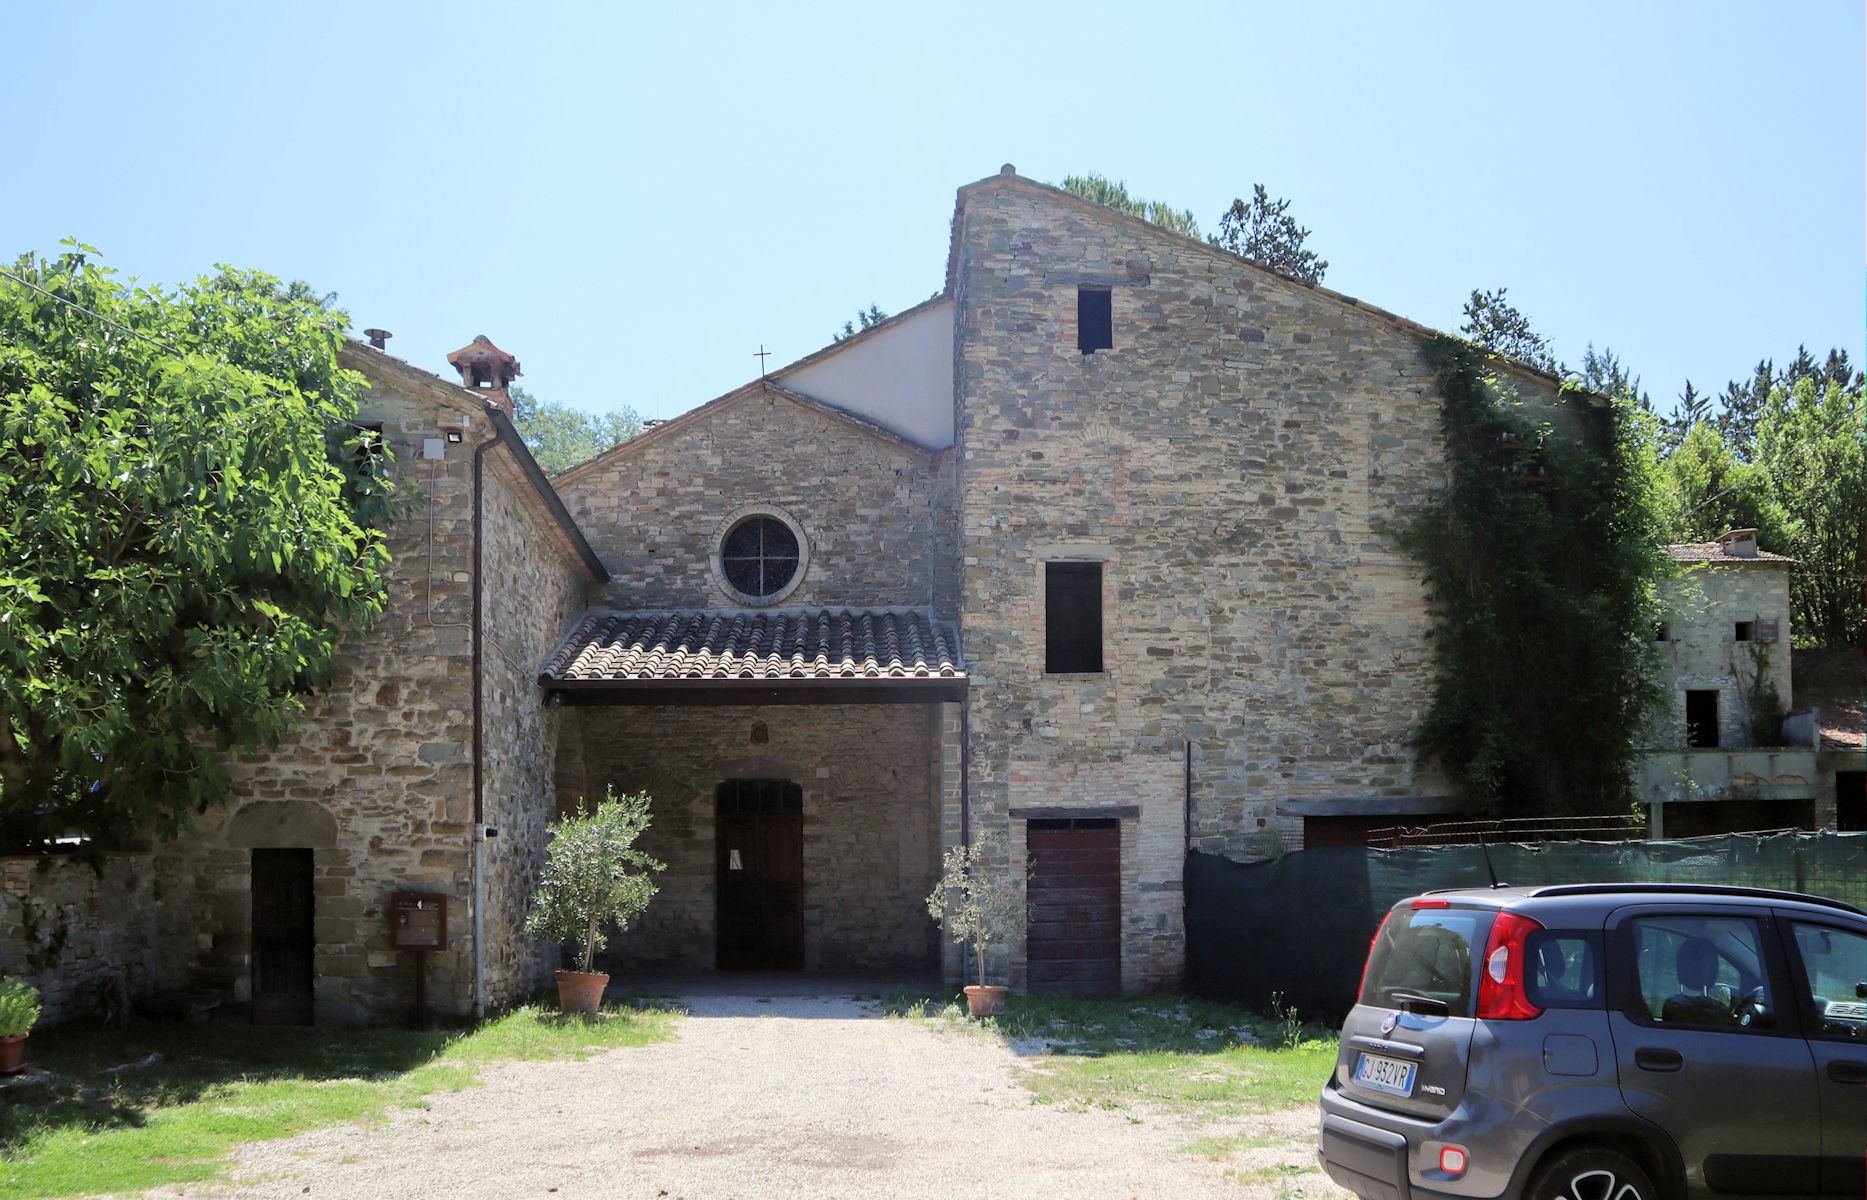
[
  {"x": 379, "y": 338},
  {"x": 1739, "y": 543},
  {"x": 486, "y": 369}
]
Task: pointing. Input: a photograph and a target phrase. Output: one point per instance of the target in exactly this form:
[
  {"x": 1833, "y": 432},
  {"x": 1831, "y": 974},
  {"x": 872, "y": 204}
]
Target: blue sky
[{"x": 632, "y": 201}]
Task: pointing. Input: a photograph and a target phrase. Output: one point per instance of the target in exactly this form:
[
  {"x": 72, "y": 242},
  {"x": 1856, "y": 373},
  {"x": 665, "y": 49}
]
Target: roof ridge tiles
[{"x": 800, "y": 644}]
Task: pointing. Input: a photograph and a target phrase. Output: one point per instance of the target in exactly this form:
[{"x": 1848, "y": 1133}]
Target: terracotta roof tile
[
  {"x": 815, "y": 644},
  {"x": 1715, "y": 552}
]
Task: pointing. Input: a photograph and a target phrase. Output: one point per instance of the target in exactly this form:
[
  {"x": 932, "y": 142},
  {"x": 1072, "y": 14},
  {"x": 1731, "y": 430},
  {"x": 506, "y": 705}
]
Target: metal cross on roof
[{"x": 762, "y": 355}]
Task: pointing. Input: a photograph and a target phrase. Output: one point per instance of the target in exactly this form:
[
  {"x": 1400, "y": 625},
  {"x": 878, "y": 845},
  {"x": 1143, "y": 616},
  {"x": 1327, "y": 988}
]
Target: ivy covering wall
[{"x": 1542, "y": 558}]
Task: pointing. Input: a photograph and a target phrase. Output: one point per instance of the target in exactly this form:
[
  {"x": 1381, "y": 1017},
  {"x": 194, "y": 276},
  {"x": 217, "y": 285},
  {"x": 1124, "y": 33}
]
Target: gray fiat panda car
[{"x": 1605, "y": 1042}]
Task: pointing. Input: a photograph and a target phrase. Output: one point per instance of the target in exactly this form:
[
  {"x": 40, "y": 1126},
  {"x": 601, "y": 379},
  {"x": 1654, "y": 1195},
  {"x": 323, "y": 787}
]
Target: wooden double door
[{"x": 760, "y": 853}]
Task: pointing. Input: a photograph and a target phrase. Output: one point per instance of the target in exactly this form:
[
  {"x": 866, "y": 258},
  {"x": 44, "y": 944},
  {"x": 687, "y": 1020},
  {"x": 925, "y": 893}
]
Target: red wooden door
[
  {"x": 760, "y": 852},
  {"x": 1073, "y": 935},
  {"x": 282, "y": 937}
]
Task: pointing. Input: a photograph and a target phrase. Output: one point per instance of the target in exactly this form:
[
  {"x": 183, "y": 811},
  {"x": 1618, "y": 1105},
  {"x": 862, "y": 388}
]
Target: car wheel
[{"x": 1592, "y": 1173}]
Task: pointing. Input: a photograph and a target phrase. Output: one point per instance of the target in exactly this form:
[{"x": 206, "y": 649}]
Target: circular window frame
[{"x": 717, "y": 566}]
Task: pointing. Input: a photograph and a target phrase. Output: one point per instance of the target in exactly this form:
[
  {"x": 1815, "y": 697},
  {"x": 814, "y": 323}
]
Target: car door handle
[
  {"x": 1847, "y": 1072},
  {"x": 1649, "y": 1058}
]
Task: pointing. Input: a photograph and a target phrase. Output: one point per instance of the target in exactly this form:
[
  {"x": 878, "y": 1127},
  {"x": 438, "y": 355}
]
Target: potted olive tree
[
  {"x": 593, "y": 877},
  {"x": 980, "y": 901},
  {"x": 19, "y": 1011}
]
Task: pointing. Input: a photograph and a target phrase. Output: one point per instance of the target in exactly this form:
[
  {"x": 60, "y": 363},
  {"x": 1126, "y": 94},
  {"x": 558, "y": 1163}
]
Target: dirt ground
[{"x": 777, "y": 1097}]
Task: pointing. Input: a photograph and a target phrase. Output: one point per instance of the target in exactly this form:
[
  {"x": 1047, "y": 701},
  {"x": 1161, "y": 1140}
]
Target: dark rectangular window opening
[
  {"x": 1850, "y": 801},
  {"x": 1746, "y": 630},
  {"x": 1662, "y": 632},
  {"x": 1095, "y": 319},
  {"x": 1701, "y": 720},
  {"x": 1072, "y": 618},
  {"x": 735, "y": 796}
]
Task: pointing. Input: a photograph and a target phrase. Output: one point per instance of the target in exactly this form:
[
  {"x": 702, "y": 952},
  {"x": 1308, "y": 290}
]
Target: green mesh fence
[{"x": 1298, "y": 926}]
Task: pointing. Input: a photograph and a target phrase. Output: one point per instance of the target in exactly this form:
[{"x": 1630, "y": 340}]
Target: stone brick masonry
[
  {"x": 376, "y": 779},
  {"x": 1701, "y": 651},
  {"x": 80, "y": 929},
  {"x": 1236, "y": 462},
  {"x": 876, "y": 511},
  {"x": 871, "y": 822}
]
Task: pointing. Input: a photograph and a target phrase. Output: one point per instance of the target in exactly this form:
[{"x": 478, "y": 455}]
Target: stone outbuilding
[{"x": 1731, "y": 750}]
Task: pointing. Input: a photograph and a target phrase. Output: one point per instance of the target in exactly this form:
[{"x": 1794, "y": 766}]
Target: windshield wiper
[{"x": 1413, "y": 1002}]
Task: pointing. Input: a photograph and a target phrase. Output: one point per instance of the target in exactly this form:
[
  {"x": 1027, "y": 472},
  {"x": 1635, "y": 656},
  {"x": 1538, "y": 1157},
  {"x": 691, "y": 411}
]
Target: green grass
[
  {"x": 216, "y": 1087},
  {"x": 1185, "y": 1056}
]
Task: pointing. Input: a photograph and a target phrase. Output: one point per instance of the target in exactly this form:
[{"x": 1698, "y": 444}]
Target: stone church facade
[{"x": 1091, "y": 552}]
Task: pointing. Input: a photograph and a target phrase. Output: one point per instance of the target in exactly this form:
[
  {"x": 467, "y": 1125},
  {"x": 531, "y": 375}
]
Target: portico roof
[{"x": 757, "y": 656}]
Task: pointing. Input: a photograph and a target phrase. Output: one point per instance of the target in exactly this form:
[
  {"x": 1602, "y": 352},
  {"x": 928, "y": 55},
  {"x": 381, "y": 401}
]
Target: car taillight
[
  {"x": 1501, "y": 995},
  {"x": 1361, "y": 988},
  {"x": 1453, "y": 1160}
]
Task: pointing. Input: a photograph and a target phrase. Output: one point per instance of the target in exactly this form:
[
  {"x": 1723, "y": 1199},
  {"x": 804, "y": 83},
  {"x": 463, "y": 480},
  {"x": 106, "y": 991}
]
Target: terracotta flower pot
[
  {"x": 985, "y": 1000},
  {"x": 581, "y": 991},
  {"x": 12, "y": 1052}
]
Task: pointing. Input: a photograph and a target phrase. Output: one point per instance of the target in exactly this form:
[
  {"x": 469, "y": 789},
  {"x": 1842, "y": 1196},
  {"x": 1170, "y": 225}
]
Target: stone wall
[
  {"x": 376, "y": 778},
  {"x": 81, "y": 930},
  {"x": 1153, "y": 849},
  {"x": 1702, "y": 652},
  {"x": 876, "y": 511},
  {"x": 872, "y": 785},
  {"x": 534, "y": 593},
  {"x": 1235, "y": 462}
]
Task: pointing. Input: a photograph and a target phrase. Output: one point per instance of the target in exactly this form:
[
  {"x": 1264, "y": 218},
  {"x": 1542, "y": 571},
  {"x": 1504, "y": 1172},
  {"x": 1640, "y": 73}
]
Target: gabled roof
[
  {"x": 1719, "y": 552},
  {"x": 369, "y": 360},
  {"x": 758, "y": 387},
  {"x": 1009, "y": 176}
]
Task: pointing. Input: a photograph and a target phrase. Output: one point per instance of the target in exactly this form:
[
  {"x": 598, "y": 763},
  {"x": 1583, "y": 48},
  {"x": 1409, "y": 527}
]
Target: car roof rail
[{"x": 1693, "y": 889}]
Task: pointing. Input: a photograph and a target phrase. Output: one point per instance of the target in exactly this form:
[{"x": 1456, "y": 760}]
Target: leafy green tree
[
  {"x": 560, "y": 437},
  {"x": 1499, "y": 326},
  {"x": 1115, "y": 195},
  {"x": 1706, "y": 490},
  {"x": 1538, "y": 530},
  {"x": 190, "y": 528},
  {"x": 1741, "y": 404},
  {"x": 1604, "y": 372},
  {"x": 979, "y": 899},
  {"x": 871, "y": 316},
  {"x": 1809, "y": 444},
  {"x": 594, "y": 876},
  {"x": 1264, "y": 231},
  {"x": 1692, "y": 407}
]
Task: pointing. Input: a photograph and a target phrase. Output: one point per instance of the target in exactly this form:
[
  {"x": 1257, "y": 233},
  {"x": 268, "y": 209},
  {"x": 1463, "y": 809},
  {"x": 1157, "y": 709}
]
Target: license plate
[{"x": 1391, "y": 1075}]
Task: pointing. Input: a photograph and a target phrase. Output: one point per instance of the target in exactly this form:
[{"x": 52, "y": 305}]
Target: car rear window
[{"x": 1428, "y": 952}]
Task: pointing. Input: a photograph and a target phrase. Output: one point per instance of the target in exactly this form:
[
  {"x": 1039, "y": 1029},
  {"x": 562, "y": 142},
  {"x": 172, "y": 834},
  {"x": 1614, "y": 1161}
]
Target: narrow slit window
[
  {"x": 1746, "y": 631},
  {"x": 1072, "y": 618},
  {"x": 1095, "y": 320},
  {"x": 1701, "y": 720}
]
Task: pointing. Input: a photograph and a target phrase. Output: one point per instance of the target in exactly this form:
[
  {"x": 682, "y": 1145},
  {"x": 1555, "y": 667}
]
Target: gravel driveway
[{"x": 791, "y": 1096}]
